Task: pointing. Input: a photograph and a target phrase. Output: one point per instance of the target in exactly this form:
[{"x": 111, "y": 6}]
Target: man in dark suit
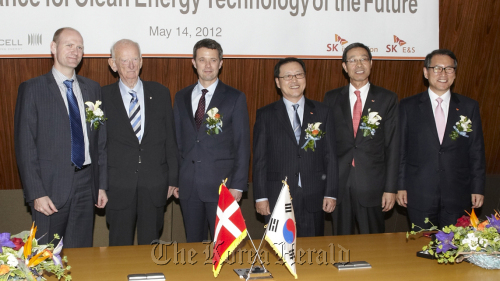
[
  {"x": 442, "y": 167},
  {"x": 212, "y": 146},
  {"x": 61, "y": 158},
  {"x": 142, "y": 152},
  {"x": 367, "y": 156},
  {"x": 283, "y": 149}
]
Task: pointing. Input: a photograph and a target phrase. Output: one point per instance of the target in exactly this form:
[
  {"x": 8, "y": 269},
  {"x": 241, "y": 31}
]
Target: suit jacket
[
  {"x": 376, "y": 157},
  {"x": 277, "y": 155},
  {"x": 206, "y": 160},
  {"x": 430, "y": 171},
  {"x": 43, "y": 140},
  {"x": 157, "y": 152}
]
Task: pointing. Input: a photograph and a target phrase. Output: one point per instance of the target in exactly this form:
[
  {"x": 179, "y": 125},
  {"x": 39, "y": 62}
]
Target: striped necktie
[
  {"x": 296, "y": 122},
  {"x": 134, "y": 113}
]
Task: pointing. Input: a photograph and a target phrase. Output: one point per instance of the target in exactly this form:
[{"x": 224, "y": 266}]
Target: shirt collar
[
  {"x": 301, "y": 102},
  {"x": 125, "y": 89},
  {"x": 445, "y": 97},
  {"x": 60, "y": 78},
  {"x": 363, "y": 90},
  {"x": 211, "y": 88}
]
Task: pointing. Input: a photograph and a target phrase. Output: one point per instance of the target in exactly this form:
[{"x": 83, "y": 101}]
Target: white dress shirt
[
  {"x": 196, "y": 95},
  {"x": 445, "y": 104},
  {"x": 363, "y": 94}
]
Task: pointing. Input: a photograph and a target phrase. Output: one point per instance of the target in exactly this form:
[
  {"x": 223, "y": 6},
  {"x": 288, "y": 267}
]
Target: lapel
[
  {"x": 148, "y": 108},
  {"x": 371, "y": 98},
  {"x": 308, "y": 117},
  {"x": 86, "y": 97},
  {"x": 282, "y": 117},
  {"x": 428, "y": 120},
  {"x": 187, "y": 102},
  {"x": 217, "y": 98},
  {"x": 345, "y": 106},
  {"x": 54, "y": 90},
  {"x": 453, "y": 117},
  {"x": 119, "y": 108}
]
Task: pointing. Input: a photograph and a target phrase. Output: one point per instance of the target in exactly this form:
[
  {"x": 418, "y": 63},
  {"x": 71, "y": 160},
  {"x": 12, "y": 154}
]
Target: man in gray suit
[
  {"x": 142, "y": 153},
  {"x": 208, "y": 155},
  {"x": 61, "y": 159}
]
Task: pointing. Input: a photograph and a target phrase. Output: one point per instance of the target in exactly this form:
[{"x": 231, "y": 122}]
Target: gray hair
[{"x": 124, "y": 42}]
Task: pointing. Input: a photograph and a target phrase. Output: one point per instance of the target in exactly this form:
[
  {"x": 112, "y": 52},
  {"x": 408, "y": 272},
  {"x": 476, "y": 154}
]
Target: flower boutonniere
[
  {"x": 95, "y": 115},
  {"x": 214, "y": 121},
  {"x": 462, "y": 127},
  {"x": 369, "y": 123},
  {"x": 313, "y": 134}
]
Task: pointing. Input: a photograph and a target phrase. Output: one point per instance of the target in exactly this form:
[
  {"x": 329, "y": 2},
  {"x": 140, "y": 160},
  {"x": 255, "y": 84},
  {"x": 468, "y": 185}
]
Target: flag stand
[{"x": 257, "y": 272}]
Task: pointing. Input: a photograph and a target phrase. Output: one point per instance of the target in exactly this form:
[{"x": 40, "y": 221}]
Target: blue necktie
[
  {"x": 75, "y": 121},
  {"x": 134, "y": 112}
]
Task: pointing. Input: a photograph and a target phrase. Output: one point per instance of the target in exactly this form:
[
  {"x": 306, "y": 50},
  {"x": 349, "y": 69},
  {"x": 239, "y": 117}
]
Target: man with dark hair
[
  {"x": 213, "y": 139},
  {"x": 294, "y": 138},
  {"x": 442, "y": 166},
  {"x": 61, "y": 157},
  {"x": 366, "y": 127},
  {"x": 142, "y": 151}
]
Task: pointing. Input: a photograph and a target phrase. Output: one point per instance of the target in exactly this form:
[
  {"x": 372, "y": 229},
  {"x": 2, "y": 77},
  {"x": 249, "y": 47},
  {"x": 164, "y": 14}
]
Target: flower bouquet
[
  {"x": 22, "y": 258},
  {"x": 313, "y": 134},
  {"x": 469, "y": 239},
  {"x": 214, "y": 121}
]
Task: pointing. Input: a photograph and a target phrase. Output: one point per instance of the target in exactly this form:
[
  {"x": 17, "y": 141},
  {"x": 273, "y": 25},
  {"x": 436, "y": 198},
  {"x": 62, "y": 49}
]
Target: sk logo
[
  {"x": 399, "y": 41},
  {"x": 340, "y": 40}
]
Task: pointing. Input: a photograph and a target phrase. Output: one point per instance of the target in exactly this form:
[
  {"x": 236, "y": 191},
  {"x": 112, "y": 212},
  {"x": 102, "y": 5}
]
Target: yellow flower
[{"x": 29, "y": 242}]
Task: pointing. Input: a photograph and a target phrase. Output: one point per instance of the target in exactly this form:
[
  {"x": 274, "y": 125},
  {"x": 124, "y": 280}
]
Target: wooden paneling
[{"x": 470, "y": 28}]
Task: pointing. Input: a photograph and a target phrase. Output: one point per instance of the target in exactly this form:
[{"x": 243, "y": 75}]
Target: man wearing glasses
[
  {"x": 294, "y": 138},
  {"x": 442, "y": 167},
  {"x": 366, "y": 127}
]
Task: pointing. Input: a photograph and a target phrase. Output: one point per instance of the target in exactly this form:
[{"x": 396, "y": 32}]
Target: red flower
[
  {"x": 315, "y": 133},
  {"x": 464, "y": 221},
  {"x": 217, "y": 116},
  {"x": 18, "y": 242}
]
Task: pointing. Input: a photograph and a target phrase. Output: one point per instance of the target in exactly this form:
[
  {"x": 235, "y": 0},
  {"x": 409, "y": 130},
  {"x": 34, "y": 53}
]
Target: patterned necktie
[
  {"x": 296, "y": 123},
  {"x": 75, "y": 121},
  {"x": 200, "y": 112},
  {"x": 134, "y": 112},
  {"x": 356, "y": 115},
  {"x": 440, "y": 120}
]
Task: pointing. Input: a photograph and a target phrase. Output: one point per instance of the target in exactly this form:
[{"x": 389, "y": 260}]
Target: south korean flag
[{"x": 281, "y": 232}]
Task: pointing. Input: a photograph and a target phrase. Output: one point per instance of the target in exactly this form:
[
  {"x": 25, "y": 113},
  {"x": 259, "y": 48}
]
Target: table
[{"x": 391, "y": 257}]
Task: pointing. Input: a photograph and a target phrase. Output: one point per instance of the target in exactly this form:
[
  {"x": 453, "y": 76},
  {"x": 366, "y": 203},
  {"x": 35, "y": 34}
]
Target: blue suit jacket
[{"x": 206, "y": 160}]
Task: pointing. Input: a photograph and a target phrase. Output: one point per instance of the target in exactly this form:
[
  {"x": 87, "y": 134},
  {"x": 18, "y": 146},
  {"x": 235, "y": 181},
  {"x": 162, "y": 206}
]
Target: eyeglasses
[
  {"x": 291, "y": 76},
  {"x": 355, "y": 61},
  {"x": 439, "y": 69}
]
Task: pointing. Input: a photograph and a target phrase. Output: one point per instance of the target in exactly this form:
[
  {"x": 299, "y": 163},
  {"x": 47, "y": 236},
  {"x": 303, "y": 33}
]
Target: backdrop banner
[{"x": 393, "y": 29}]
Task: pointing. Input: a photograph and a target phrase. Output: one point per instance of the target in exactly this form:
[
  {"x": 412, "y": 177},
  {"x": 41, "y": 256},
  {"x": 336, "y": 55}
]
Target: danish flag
[
  {"x": 399, "y": 41},
  {"x": 230, "y": 228}
]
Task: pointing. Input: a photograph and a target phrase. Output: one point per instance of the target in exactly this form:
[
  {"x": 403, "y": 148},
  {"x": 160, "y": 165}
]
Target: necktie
[
  {"x": 296, "y": 129},
  {"x": 75, "y": 121},
  {"x": 296, "y": 123},
  {"x": 134, "y": 112},
  {"x": 200, "y": 112},
  {"x": 356, "y": 115},
  {"x": 440, "y": 120}
]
